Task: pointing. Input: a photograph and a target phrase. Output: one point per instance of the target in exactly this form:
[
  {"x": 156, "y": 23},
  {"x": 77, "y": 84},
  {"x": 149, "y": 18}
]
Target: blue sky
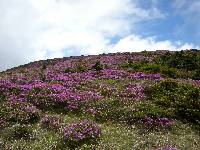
[
  {"x": 41, "y": 29},
  {"x": 175, "y": 26}
]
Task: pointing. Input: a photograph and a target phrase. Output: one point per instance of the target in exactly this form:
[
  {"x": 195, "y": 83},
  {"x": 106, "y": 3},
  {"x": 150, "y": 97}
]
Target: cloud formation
[
  {"x": 137, "y": 43},
  {"x": 40, "y": 29}
]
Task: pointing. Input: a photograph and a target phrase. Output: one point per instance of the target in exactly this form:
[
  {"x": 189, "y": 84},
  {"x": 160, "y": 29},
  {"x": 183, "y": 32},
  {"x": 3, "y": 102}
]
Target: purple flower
[
  {"x": 50, "y": 121},
  {"x": 156, "y": 122},
  {"x": 163, "y": 122},
  {"x": 82, "y": 130},
  {"x": 140, "y": 75},
  {"x": 134, "y": 91}
]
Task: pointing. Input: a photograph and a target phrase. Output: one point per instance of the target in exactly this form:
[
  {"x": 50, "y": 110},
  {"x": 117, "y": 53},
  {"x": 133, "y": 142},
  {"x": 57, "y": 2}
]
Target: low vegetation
[{"x": 141, "y": 101}]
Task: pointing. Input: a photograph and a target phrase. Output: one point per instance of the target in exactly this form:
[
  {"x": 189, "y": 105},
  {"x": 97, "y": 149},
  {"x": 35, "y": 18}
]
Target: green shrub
[
  {"x": 14, "y": 90},
  {"x": 146, "y": 109},
  {"x": 21, "y": 131},
  {"x": 79, "y": 68},
  {"x": 142, "y": 66},
  {"x": 196, "y": 75},
  {"x": 42, "y": 76},
  {"x": 146, "y": 53},
  {"x": 98, "y": 66},
  {"x": 184, "y": 99},
  {"x": 135, "y": 66},
  {"x": 2, "y": 97},
  {"x": 165, "y": 65},
  {"x": 188, "y": 60},
  {"x": 44, "y": 66},
  {"x": 129, "y": 64},
  {"x": 117, "y": 111},
  {"x": 111, "y": 109},
  {"x": 181, "y": 64},
  {"x": 18, "y": 132},
  {"x": 170, "y": 72},
  {"x": 105, "y": 109},
  {"x": 150, "y": 68},
  {"x": 69, "y": 70}
]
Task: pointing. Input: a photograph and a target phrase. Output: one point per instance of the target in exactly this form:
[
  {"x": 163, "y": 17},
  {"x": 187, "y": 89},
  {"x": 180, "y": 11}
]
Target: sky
[{"x": 32, "y": 30}]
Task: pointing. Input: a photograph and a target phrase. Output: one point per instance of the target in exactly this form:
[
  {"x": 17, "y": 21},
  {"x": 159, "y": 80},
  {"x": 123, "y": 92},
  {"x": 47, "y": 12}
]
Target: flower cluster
[
  {"x": 140, "y": 75},
  {"x": 82, "y": 131},
  {"x": 51, "y": 122},
  {"x": 134, "y": 91},
  {"x": 22, "y": 111},
  {"x": 156, "y": 122},
  {"x": 113, "y": 74}
]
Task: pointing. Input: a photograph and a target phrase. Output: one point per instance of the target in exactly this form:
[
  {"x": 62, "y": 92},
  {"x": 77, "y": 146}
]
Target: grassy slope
[{"x": 114, "y": 135}]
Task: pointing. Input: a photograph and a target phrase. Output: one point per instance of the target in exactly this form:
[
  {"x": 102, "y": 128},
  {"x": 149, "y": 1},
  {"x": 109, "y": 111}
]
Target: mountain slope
[{"x": 147, "y": 100}]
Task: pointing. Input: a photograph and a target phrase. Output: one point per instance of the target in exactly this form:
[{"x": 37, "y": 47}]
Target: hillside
[{"x": 140, "y": 101}]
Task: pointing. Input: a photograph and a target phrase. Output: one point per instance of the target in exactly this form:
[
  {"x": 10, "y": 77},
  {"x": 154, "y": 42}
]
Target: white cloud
[
  {"x": 39, "y": 29},
  {"x": 137, "y": 43}
]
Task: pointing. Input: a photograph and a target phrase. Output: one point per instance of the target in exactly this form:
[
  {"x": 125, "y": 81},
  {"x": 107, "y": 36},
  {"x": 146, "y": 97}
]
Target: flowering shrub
[
  {"x": 113, "y": 74},
  {"x": 18, "y": 110},
  {"x": 156, "y": 123},
  {"x": 134, "y": 91},
  {"x": 51, "y": 122},
  {"x": 7, "y": 88},
  {"x": 85, "y": 131},
  {"x": 140, "y": 75}
]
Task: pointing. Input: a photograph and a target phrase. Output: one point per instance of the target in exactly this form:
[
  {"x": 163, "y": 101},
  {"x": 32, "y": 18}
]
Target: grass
[
  {"x": 114, "y": 137},
  {"x": 121, "y": 137}
]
